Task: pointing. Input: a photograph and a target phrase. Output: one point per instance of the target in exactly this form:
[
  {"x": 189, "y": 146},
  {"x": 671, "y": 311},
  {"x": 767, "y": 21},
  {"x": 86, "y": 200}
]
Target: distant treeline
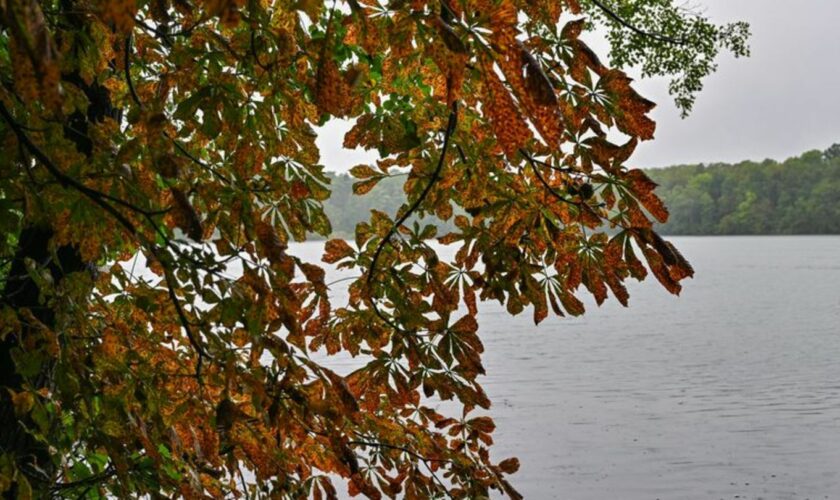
[
  {"x": 346, "y": 209},
  {"x": 798, "y": 196}
]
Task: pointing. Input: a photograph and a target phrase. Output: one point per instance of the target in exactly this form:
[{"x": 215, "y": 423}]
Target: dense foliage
[
  {"x": 180, "y": 135},
  {"x": 798, "y": 196},
  {"x": 636, "y": 32}
]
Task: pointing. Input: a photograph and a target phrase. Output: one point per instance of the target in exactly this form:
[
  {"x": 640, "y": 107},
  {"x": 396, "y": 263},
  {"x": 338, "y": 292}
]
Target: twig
[
  {"x": 551, "y": 190},
  {"x": 198, "y": 162},
  {"x": 399, "y": 448},
  {"x": 108, "y": 472},
  {"x": 450, "y": 129},
  {"x": 127, "y": 65},
  {"x": 99, "y": 199},
  {"x": 185, "y": 322},
  {"x": 164, "y": 35},
  {"x": 635, "y": 29}
]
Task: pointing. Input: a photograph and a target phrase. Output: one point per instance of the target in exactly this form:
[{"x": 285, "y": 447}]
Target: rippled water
[{"x": 730, "y": 391}]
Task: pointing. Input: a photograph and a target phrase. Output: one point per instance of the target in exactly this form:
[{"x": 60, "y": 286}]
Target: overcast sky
[{"x": 780, "y": 102}]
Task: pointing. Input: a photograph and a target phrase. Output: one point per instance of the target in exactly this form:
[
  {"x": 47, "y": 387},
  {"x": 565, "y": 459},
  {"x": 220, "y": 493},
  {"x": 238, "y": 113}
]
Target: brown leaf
[
  {"x": 335, "y": 250},
  {"x": 333, "y": 94},
  {"x": 274, "y": 248},
  {"x": 536, "y": 81},
  {"x": 364, "y": 172},
  {"x": 643, "y": 188},
  {"x": 509, "y": 465},
  {"x": 510, "y": 129},
  {"x": 482, "y": 424},
  {"x": 364, "y": 187},
  {"x": 573, "y": 29},
  {"x": 632, "y": 109},
  {"x": 572, "y": 305},
  {"x": 185, "y": 215}
]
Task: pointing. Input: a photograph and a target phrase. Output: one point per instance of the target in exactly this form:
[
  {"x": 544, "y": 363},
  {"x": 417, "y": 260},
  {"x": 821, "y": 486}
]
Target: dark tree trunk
[{"x": 21, "y": 292}]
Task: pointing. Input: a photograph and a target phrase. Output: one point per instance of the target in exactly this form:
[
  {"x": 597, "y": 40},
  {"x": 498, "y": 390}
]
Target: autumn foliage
[{"x": 180, "y": 134}]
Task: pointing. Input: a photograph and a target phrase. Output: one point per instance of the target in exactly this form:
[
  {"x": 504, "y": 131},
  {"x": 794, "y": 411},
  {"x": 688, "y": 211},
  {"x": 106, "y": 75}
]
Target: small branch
[
  {"x": 565, "y": 170},
  {"x": 99, "y": 199},
  {"x": 450, "y": 129},
  {"x": 551, "y": 190},
  {"x": 127, "y": 65},
  {"x": 88, "y": 481},
  {"x": 331, "y": 283},
  {"x": 200, "y": 163},
  {"x": 399, "y": 448},
  {"x": 182, "y": 317},
  {"x": 635, "y": 29},
  {"x": 161, "y": 35}
]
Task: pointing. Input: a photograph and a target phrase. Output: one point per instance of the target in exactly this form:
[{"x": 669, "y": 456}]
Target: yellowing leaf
[
  {"x": 333, "y": 94},
  {"x": 631, "y": 117},
  {"x": 364, "y": 172},
  {"x": 365, "y": 187}
]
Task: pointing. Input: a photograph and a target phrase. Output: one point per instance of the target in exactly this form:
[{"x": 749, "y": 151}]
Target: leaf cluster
[{"x": 171, "y": 145}]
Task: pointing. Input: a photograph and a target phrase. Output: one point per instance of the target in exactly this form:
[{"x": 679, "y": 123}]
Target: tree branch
[
  {"x": 95, "y": 196},
  {"x": 127, "y": 64},
  {"x": 88, "y": 481},
  {"x": 635, "y": 29},
  {"x": 450, "y": 129},
  {"x": 539, "y": 175},
  {"x": 99, "y": 199}
]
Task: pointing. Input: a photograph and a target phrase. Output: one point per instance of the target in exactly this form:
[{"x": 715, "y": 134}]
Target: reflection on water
[{"x": 730, "y": 391}]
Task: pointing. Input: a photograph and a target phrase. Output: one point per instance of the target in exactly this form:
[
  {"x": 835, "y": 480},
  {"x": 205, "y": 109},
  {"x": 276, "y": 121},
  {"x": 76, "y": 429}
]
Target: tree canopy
[{"x": 181, "y": 133}]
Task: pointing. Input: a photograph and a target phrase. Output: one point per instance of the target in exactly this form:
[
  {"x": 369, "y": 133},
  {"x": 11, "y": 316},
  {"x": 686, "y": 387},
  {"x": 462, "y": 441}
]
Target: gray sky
[{"x": 780, "y": 102}]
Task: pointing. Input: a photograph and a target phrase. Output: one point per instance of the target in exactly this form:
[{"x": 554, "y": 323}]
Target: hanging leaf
[
  {"x": 500, "y": 109},
  {"x": 364, "y": 187},
  {"x": 336, "y": 250}
]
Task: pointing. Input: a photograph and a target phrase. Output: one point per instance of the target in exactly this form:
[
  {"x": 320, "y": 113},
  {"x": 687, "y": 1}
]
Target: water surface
[{"x": 730, "y": 391}]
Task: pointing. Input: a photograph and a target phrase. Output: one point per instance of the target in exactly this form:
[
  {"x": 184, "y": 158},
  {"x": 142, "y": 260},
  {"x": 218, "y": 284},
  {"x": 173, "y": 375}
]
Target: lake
[{"x": 731, "y": 390}]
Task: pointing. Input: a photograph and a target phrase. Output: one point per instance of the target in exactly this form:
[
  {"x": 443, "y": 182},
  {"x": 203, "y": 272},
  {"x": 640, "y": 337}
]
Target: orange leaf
[
  {"x": 186, "y": 216},
  {"x": 482, "y": 424},
  {"x": 333, "y": 93}
]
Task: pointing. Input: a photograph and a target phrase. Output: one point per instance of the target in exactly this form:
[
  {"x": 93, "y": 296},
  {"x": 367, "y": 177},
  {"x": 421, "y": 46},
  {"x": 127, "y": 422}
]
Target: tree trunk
[{"x": 21, "y": 292}]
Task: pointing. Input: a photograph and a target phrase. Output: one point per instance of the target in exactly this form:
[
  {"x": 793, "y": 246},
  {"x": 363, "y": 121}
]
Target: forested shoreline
[{"x": 800, "y": 195}]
